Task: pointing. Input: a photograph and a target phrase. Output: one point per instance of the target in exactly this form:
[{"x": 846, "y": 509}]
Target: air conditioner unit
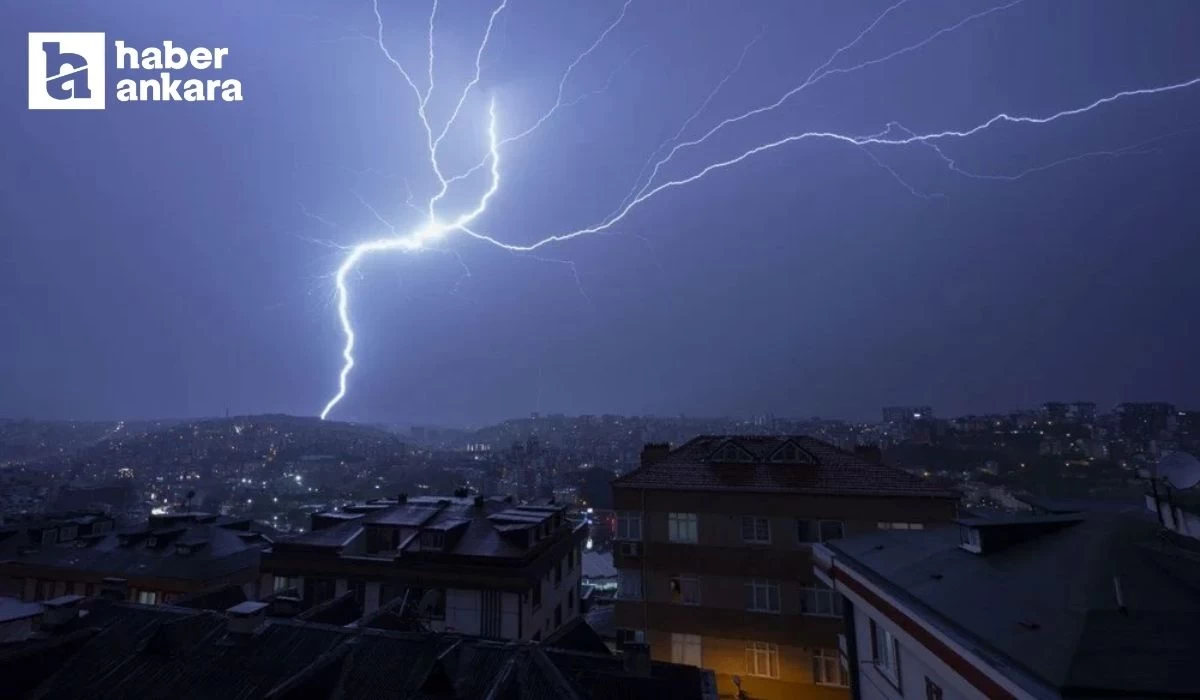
[{"x": 631, "y": 549}]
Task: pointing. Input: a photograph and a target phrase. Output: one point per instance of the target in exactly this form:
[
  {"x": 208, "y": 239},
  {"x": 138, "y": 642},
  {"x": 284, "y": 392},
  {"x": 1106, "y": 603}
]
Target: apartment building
[
  {"x": 1069, "y": 605},
  {"x": 714, "y": 554},
  {"x": 171, "y": 556},
  {"x": 475, "y": 566}
]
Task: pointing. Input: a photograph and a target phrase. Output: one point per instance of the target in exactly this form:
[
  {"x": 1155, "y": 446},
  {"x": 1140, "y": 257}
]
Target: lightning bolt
[{"x": 434, "y": 228}]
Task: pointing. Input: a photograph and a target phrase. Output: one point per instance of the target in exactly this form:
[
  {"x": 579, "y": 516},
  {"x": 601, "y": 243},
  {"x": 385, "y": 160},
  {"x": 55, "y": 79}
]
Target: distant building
[
  {"x": 900, "y": 415},
  {"x": 1075, "y": 605},
  {"x": 88, "y": 650},
  {"x": 168, "y": 557},
  {"x": 1140, "y": 424},
  {"x": 476, "y": 566},
  {"x": 713, "y": 554}
]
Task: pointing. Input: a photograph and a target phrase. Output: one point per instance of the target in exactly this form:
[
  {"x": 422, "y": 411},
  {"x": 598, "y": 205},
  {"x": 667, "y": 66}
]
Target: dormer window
[
  {"x": 731, "y": 452},
  {"x": 67, "y": 533},
  {"x": 49, "y": 536},
  {"x": 790, "y": 453},
  {"x": 433, "y": 539}
]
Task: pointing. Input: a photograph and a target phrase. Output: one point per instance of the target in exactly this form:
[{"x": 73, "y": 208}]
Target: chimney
[
  {"x": 655, "y": 452},
  {"x": 245, "y": 618},
  {"x": 402, "y": 498},
  {"x": 479, "y": 501},
  {"x": 60, "y": 611},
  {"x": 636, "y": 656}
]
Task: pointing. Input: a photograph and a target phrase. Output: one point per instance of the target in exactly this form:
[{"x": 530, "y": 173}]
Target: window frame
[
  {"x": 817, "y": 594},
  {"x": 815, "y": 532},
  {"x": 885, "y": 653},
  {"x": 767, "y": 586},
  {"x": 680, "y": 582},
  {"x": 766, "y": 652},
  {"x": 626, "y": 520},
  {"x": 630, "y": 578},
  {"x": 754, "y": 521},
  {"x": 685, "y": 645},
  {"x": 683, "y": 528},
  {"x": 825, "y": 659}
]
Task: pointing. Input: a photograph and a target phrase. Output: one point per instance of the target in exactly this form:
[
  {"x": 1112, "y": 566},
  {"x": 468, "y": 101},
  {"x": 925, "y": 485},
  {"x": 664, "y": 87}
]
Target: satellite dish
[{"x": 1180, "y": 469}]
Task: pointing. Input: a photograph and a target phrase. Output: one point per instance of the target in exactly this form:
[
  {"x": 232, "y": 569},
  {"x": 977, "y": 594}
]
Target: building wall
[
  {"x": 926, "y": 655},
  {"x": 723, "y": 564},
  {"x": 540, "y": 621}
]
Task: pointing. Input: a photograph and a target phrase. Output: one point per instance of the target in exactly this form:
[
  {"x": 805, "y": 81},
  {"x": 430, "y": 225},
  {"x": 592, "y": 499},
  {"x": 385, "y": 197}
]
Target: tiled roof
[
  {"x": 823, "y": 469},
  {"x": 175, "y": 654}
]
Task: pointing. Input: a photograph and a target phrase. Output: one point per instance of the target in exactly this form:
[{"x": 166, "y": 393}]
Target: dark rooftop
[
  {"x": 797, "y": 464},
  {"x": 1045, "y": 604},
  {"x": 206, "y": 549},
  {"x": 123, "y": 650}
]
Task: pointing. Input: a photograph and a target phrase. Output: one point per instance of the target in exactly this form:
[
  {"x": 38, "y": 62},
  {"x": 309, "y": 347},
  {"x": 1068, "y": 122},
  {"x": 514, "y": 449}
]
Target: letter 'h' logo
[{"x": 66, "y": 70}]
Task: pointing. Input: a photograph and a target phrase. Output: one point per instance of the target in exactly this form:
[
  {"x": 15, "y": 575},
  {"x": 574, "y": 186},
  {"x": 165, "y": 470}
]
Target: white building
[{"x": 1064, "y": 606}]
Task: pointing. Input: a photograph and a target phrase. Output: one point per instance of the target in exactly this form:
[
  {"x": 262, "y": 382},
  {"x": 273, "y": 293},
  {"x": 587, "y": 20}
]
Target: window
[
  {"x": 685, "y": 649},
  {"x": 685, "y": 590},
  {"x": 820, "y": 600},
  {"x": 756, "y": 530},
  {"x": 681, "y": 527},
  {"x": 147, "y": 597},
  {"x": 536, "y": 595},
  {"x": 48, "y": 536},
  {"x": 67, "y": 533},
  {"x": 827, "y": 669},
  {"x": 571, "y": 600},
  {"x": 933, "y": 691},
  {"x": 810, "y": 531},
  {"x": 790, "y": 453},
  {"x": 286, "y": 583},
  {"x": 433, "y": 539},
  {"x": 762, "y": 596},
  {"x": 557, "y": 574},
  {"x": 629, "y": 584},
  {"x": 629, "y": 526},
  {"x": 762, "y": 659},
  {"x": 626, "y": 636},
  {"x": 571, "y": 560},
  {"x": 885, "y": 653},
  {"x": 101, "y": 526},
  {"x": 558, "y": 616},
  {"x": 901, "y": 526},
  {"x": 731, "y": 453}
]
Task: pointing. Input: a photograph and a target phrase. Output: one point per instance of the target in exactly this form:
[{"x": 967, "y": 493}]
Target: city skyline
[{"x": 1036, "y": 259}]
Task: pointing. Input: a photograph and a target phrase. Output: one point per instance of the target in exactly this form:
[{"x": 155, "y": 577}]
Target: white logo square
[{"x": 66, "y": 70}]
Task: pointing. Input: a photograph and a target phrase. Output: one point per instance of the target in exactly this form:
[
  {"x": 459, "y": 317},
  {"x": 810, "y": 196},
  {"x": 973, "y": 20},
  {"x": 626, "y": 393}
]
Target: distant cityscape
[
  {"x": 278, "y": 469},
  {"x": 604, "y": 557}
]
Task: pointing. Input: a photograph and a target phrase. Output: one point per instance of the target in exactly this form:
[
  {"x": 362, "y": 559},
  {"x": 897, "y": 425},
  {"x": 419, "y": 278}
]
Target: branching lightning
[{"x": 435, "y": 227}]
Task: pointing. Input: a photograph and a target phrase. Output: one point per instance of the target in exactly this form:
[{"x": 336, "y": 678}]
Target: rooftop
[
  {"x": 793, "y": 464},
  {"x": 1090, "y": 602},
  {"x": 125, "y": 650},
  {"x": 205, "y": 547}
]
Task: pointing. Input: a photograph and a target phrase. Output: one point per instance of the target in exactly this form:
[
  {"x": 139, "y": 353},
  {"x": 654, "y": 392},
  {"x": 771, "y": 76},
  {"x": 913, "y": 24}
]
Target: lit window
[
  {"x": 885, "y": 653},
  {"x": 827, "y": 669},
  {"x": 762, "y": 659},
  {"x": 682, "y": 527},
  {"x": 286, "y": 583},
  {"x": 685, "y": 649},
  {"x": 147, "y": 597},
  {"x": 629, "y": 526},
  {"x": 685, "y": 590},
  {"x": 762, "y": 596},
  {"x": 756, "y": 530},
  {"x": 820, "y": 600}
]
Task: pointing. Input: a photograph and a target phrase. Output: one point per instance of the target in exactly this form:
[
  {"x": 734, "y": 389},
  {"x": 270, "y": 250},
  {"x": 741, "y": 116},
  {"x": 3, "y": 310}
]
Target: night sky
[{"x": 174, "y": 259}]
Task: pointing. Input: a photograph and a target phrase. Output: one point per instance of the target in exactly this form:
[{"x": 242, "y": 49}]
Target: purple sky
[{"x": 156, "y": 259}]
